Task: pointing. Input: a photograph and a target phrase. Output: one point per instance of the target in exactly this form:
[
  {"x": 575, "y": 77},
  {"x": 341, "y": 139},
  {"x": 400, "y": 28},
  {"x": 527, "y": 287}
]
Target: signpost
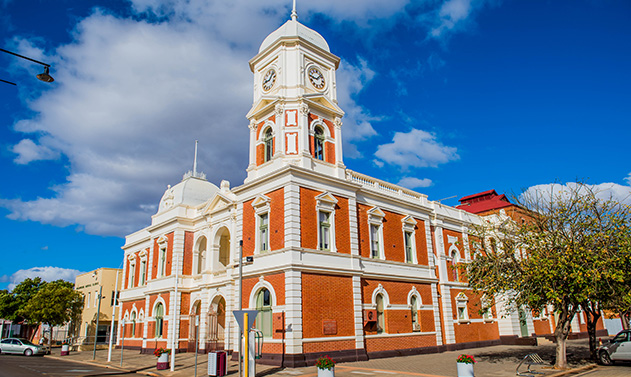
[{"x": 245, "y": 319}]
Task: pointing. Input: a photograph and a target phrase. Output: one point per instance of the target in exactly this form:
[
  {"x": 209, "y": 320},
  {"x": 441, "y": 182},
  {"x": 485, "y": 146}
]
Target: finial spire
[
  {"x": 195, "y": 161},
  {"x": 294, "y": 14}
]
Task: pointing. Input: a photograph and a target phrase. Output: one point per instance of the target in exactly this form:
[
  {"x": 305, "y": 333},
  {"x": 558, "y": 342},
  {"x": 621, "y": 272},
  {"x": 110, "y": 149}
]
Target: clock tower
[{"x": 295, "y": 119}]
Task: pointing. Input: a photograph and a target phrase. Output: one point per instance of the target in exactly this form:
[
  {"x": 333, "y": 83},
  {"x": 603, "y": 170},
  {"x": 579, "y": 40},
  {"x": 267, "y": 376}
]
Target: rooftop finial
[
  {"x": 195, "y": 161},
  {"x": 294, "y": 14}
]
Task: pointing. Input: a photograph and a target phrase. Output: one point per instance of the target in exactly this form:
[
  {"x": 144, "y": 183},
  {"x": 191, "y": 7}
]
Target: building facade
[
  {"x": 341, "y": 263},
  {"x": 105, "y": 282}
]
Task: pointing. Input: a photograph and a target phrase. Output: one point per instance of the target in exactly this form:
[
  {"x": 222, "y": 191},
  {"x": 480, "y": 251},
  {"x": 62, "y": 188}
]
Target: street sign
[{"x": 238, "y": 315}]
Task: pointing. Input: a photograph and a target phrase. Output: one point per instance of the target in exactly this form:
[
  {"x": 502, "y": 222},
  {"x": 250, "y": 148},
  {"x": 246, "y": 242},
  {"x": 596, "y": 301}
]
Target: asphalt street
[{"x": 23, "y": 366}]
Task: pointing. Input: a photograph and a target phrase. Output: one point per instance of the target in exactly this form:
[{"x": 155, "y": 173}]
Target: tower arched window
[
  {"x": 133, "y": 324},
  {"x": 318, "y": 143},
  {"x": 454, "y": 266},
  {"x": 414, "y": 308},
  {"x": 269, "y": 145},
  {"x": 264, "y": 306}
]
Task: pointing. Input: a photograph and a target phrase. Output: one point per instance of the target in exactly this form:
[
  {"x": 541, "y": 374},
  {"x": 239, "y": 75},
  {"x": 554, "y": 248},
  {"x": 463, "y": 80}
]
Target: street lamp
[{"x": 45, "y": 76}]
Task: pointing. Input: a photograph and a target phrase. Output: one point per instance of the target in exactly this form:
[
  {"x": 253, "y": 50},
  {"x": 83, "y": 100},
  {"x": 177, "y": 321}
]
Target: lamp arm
[{"x": 24, "y": 57}]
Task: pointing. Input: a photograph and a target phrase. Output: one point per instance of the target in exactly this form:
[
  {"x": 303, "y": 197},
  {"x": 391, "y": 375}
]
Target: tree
[
  {"x": 568, "y": 255},
  {"x": 55, "y": 304}
]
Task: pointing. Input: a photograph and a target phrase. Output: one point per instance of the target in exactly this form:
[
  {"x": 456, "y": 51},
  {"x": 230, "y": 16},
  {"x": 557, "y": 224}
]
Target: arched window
[
  {"x": 224, "y": 247},
  {"x": 159, "y": 316},
  {"x": 269, "y": 145},
  {"x": 454, "y": 265},
  {"x": 380, "y": 315},
  {"x": 201, "y": 254},
  {"x": 414, "y": 308},
  {"x": 318, "y": 143},
  {"x": 264, "y": 306},
  {"x": 133, "y": 324}
]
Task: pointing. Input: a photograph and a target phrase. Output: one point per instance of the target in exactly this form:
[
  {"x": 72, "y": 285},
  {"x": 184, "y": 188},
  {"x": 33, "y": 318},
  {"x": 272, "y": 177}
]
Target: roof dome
[
  {"x": 192, "y": 191},
  {"x": 294, "y": 29}
]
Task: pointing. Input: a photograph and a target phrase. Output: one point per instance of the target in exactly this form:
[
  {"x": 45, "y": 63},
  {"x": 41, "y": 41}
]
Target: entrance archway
[
  {"x": 193, "y": 335},
  {"x": 216, "y": 324}
]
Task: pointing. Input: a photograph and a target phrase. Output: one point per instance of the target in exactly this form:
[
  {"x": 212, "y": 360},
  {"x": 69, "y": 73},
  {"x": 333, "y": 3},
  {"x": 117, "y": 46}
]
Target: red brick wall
[
  {"x": 308, "y": 219},
  {"x": 324, "y": 298},
  {"x": 329, "y": 155},
  {"x": 421, "y": 242},
  {"x": 249, "y": 229},
  {"x": 187, "y": 267},
  {"x": 542, "y": 327},
  {"x": 342, "y": 226},
  {"x": 393, "y": 244},
  {"x": 277, "y": 219},
  {"x": 362, "y": 230},
  {"x": 476, "y": 331},
  {"x": 324, "y": 347},
  {"x": 399, "y": 342}
]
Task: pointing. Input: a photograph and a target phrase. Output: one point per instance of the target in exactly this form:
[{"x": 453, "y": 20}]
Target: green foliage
[
  {"x": 36, "y": 301},
  {"x": 55, "y": 303},
  {"x": 573, "y": 252}
]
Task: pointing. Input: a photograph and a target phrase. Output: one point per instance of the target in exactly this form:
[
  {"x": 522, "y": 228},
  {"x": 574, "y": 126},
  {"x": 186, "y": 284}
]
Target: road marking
[{"x": 366, "y": 373}]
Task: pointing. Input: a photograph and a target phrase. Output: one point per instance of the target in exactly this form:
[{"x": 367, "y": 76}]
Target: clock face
[
  {"x": 316, "y": 77},
  {"x": 269, "y": 79}
]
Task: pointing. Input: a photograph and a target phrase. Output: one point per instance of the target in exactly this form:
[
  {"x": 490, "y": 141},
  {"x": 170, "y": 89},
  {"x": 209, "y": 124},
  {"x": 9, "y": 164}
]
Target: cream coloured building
[{"x": 103, "y": 280}]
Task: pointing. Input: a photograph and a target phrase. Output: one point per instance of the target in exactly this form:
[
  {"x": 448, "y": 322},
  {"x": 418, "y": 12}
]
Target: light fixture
[{"x": 45, "y": 77}]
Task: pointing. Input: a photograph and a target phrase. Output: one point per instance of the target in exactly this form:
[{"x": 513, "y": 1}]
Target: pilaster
[
  {"x": 293, "y": 312},
  {"x": 358, "y": 312},
  {"x": 292, "y": 216}
]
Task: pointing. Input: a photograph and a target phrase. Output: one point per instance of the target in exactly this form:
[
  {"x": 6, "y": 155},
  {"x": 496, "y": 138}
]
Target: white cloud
[
  {"x": 413, "y": 182},
  {"x": 628, "y": 179},
  {"x": 45, "y": 273},
  {"x": 605, "y": 191},
  {"x": 417, "y": 149},
  {"x": 130, "y": 98},
  {"x": 28, "y": 151},
  {"x": 454, "y": 16}
]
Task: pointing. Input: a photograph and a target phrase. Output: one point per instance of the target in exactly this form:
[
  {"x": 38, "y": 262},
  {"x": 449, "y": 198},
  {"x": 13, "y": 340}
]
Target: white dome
[
  {"x": 192, "y": 191},
  {"x": 293, "y": 29}
]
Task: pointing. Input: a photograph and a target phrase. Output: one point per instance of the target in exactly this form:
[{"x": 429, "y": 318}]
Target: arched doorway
[
  {"x": 216, "y": 324},
  {"x": 193, "y": 335}
]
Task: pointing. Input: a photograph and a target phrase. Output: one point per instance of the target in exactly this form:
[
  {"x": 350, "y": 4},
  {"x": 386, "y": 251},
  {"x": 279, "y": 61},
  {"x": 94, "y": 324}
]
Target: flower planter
[
  {"x": 465, "y": 370},
  {"x": 163, "y": 362},
  {"x": 65, "y": 349},
  {"x": 326, "y": 372}
]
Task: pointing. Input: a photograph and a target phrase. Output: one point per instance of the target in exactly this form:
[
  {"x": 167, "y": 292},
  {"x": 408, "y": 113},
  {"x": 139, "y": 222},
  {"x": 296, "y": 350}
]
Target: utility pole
[
  {"x": 239, "y": 304},
  {"x": 98, "y": 314},
  {"x": 115, "y": 298}
]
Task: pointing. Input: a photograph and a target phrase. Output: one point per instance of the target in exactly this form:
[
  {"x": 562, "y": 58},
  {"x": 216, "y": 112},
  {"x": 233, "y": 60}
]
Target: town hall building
[{"x": 338, "y": 262}]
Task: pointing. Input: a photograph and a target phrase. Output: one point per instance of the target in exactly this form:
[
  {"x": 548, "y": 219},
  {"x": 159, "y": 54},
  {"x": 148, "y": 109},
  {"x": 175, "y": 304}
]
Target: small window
[
  {"x": 143, "y": 272},
  {"x": 318, "y": 143},
  {"x": 409, "y": 252},
  {"x": 324, "y": 230},
  {"x": 163, "y": 262},
  {"x": 414, "y": 315},
  {"x": 264, "y": 306},
  {"x": 133, "y": 324},
  {"x": 375, "y": 251},
  {"x": 96, "y": 298},
  {"x": 264, "y": 232},
  {"x": 269, "y": 145},
  {"x": 461, "y": 307},
  {"x": 159, "y": 317},
  {"x": 89, "y": 299},
  {"x": 132, "y": 275},
  {"x": 380, "y": 315}
]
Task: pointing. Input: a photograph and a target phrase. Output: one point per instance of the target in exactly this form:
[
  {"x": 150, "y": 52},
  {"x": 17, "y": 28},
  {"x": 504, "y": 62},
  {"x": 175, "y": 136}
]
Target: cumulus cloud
[
  {"x": 413, "y": 182},
  {"x": 604, "y": 191},
  {"x": 628, "y": 179},
  {"x": 417, "y": 149},
  {"x": 132, "y": 95},
  {"x": 45, "y": 273}
]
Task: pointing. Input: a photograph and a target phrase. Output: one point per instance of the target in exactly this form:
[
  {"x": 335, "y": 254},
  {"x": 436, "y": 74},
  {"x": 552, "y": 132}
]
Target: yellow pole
[{"x": 246, "y": 346}]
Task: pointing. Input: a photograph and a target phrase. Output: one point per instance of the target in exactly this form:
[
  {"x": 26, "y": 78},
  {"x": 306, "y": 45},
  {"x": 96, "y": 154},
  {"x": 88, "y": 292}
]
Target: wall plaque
[{"x": 329, "y": 327}]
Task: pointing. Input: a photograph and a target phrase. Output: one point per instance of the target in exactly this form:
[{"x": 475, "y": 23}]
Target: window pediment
[
  {"x": 326, "y": 201},
  {"x": 376, "y": 215},
  {"x": 462, "y": 297},
  {"x": 261, "y": 201}
]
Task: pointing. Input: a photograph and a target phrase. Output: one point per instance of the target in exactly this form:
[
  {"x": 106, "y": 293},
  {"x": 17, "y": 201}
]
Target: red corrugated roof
[{"x": 483, "y": 201}]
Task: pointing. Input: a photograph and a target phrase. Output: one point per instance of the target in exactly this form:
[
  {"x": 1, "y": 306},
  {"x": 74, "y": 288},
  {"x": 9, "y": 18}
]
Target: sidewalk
[{"x": 493, "y": 361}]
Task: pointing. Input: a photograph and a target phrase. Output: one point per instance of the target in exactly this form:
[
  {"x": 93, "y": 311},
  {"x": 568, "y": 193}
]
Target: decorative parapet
[{"x": 384, "y": 187}]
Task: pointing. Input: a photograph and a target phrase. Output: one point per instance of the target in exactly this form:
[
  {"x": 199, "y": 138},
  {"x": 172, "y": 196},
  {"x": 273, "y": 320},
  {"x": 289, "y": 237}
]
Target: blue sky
[{"x": 448, "y": 98}]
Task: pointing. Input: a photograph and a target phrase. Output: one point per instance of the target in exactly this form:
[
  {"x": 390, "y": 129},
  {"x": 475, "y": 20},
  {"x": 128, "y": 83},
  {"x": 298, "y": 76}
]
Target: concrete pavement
[{"x": 493, "y": 361}]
